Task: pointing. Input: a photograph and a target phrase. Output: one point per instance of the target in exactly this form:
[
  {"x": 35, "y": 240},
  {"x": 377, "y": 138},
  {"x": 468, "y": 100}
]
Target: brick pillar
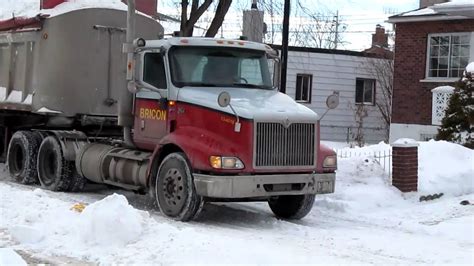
[{"x": 405, "y": 165}]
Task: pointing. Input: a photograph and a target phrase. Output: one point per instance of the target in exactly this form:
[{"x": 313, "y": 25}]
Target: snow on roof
[
  {"x": 470, "y": 68},
  {"x": 457, "y": 8},
  {"x": 453, "y": 3},
  {"x": 18, "y": 8},
  {"x": 71, "y": 5},
  {"x": 419, "y": 12}
]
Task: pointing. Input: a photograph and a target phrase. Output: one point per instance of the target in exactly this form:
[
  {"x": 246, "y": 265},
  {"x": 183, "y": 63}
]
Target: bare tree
[
  {"x": 188, "y": 21},
  {"x": 382, "y": 70},
  {"x": 310, "y": 27},
  {"x": 360, "y": 112}
]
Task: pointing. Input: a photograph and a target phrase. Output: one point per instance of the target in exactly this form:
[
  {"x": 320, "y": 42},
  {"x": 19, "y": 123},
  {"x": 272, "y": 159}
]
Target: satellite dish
[
  {"x": 332, "y": 101},
  {"x": 223, "y": 99}
]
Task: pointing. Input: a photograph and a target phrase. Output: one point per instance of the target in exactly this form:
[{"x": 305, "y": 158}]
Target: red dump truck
[{"x": 187, "y": 120}]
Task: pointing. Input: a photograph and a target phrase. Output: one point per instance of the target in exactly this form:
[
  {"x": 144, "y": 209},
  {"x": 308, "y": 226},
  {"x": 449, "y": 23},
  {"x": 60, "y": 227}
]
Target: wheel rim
[
  {"x": 48, "y": 167},
  {"x": 173, "y": 192},
  {"x": 16, "y": 163}
]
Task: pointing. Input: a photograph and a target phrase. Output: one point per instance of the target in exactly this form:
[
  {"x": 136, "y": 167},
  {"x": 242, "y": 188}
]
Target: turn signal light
[
  {"x": 218, "y": 162},
  {"x": 215, "y": 162}
]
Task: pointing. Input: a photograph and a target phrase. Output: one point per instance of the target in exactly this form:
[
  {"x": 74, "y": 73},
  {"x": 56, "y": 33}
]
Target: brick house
[{"x": 433, "y": 45}]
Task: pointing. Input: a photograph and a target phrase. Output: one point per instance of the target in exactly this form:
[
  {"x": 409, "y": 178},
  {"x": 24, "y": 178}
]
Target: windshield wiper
[{"x": 247, "y": 85}]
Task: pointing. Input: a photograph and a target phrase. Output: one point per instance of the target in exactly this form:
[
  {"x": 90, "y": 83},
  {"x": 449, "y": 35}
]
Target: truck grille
[{"x": 280, "y": 146}]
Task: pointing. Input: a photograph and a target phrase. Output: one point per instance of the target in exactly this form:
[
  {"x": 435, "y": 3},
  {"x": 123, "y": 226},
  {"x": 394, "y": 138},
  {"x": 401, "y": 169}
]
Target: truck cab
[{"x": 261, "y": 144}]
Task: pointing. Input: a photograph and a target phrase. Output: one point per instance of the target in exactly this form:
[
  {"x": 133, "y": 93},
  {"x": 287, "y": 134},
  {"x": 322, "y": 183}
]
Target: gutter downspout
[{"x": 125, "y": 117}]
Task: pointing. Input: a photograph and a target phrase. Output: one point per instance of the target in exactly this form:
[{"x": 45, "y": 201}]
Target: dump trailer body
[{"x": 73, "y": 64}]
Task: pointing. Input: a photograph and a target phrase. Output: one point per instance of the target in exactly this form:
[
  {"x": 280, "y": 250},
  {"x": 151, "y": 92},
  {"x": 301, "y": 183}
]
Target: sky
[{"x": 359, "y": 17}]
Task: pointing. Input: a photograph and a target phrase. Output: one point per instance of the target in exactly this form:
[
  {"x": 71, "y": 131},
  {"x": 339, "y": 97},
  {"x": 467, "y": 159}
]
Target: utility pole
[
  {"x": 284, "y": 46},
  {"x": 336, "y": 36},
  {"x": 254, "y": 5}
]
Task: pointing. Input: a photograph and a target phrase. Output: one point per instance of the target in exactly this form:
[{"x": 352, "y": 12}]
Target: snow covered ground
[{"x": 365, "y": 221}]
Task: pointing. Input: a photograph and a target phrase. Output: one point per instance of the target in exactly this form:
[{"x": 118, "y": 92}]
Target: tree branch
[{"x": 219, "y": 16}]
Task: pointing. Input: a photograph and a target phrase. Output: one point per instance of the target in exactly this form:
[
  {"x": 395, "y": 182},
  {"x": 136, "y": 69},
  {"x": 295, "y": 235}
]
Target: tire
[
  {"x": 292, "y": 207},
  {"x": 175, "y": 193},
  {"x": 22, "y": 156},
  {"x": 77, "y": 181},
  {"x": 54, "y": 172}
]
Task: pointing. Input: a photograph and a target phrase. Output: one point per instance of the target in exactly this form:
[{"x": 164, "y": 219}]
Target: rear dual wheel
[
  {"x": 34, "y": 158},
  {"x": 22, "y": 156},
  {"x": 54, "y": 171}
]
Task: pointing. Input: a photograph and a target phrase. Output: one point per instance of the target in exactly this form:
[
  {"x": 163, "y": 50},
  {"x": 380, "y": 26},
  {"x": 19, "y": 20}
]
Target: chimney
[
  {"x": 380, "y": 38},
  {"x": 145, "y": 6},
  {"x": 427, "y": 3},
  {"x": 48, "y": 4}
]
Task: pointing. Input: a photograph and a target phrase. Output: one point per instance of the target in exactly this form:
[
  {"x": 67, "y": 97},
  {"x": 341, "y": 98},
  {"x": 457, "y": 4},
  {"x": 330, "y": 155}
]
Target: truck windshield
[{"x": 219, "y": 66}]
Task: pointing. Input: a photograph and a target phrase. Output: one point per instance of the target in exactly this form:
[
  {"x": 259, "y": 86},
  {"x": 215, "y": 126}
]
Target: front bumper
[{"x": 250, "y": 186}]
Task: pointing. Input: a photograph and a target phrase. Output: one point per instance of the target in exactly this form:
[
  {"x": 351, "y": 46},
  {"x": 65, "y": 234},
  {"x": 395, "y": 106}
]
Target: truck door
[{"x": 151, "y": 112}]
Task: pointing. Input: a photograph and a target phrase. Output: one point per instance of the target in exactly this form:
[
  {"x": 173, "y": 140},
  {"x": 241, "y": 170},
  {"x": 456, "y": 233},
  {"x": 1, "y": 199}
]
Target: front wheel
[
  {"x": 174, "y": 189},
  {"x": 292, "y": 207}
]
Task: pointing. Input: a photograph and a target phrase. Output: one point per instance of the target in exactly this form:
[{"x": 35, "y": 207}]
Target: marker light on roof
[
  {"x": 184, "y": 41},
  {"x": 220, "y": 42}
]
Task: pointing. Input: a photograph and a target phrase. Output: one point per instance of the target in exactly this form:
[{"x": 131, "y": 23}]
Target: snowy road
[
  {"x": 364, "y": 222},
  {"x": 435, "y": 232}
]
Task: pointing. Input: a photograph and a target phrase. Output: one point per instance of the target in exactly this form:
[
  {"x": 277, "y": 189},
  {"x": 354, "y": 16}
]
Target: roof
[
  {"x": 454, "y": 10},
  {"x": 326, "y": 51}
]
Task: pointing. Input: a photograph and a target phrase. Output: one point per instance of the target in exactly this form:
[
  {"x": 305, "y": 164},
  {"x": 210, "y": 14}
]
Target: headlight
[
  {"x": 219, "y": 162},
  {"x": 330, "y": 161}
]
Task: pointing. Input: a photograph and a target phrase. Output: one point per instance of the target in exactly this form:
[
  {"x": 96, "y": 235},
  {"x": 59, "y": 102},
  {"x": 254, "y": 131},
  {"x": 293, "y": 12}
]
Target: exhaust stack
[{"x": 125, "y": 117}]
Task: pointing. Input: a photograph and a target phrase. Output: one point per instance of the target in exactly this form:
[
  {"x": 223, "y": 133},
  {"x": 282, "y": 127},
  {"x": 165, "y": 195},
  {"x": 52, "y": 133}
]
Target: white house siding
[{"x": 336, "y": 72}]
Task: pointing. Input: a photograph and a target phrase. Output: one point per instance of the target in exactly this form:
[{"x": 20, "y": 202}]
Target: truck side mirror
[
  {"x": 332, "y": 101},
  {"x": 223, "y": 99}
]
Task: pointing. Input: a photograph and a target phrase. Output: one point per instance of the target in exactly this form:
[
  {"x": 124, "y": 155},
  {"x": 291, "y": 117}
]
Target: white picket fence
[{"x": 383, "y": 157}]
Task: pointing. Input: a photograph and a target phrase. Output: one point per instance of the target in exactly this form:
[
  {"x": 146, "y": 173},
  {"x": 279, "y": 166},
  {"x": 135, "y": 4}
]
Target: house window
[
  {"x": 304, "y": 85},
  {"x": 448, "y": 55},
  {"x": 365, "y": 91}
]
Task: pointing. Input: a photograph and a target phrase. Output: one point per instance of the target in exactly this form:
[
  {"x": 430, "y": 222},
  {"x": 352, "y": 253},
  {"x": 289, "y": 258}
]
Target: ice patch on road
[{"x": 111, "y": 221}]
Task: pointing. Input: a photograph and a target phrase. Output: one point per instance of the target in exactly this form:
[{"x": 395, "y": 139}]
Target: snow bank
[
  {"x": 111, "y": 221},
  {"x": 363, "y": 181},
  {"x": 445, "y": 167},
  {"x": 361, "y": 185},
  {"x": 9, "y": 257}
]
